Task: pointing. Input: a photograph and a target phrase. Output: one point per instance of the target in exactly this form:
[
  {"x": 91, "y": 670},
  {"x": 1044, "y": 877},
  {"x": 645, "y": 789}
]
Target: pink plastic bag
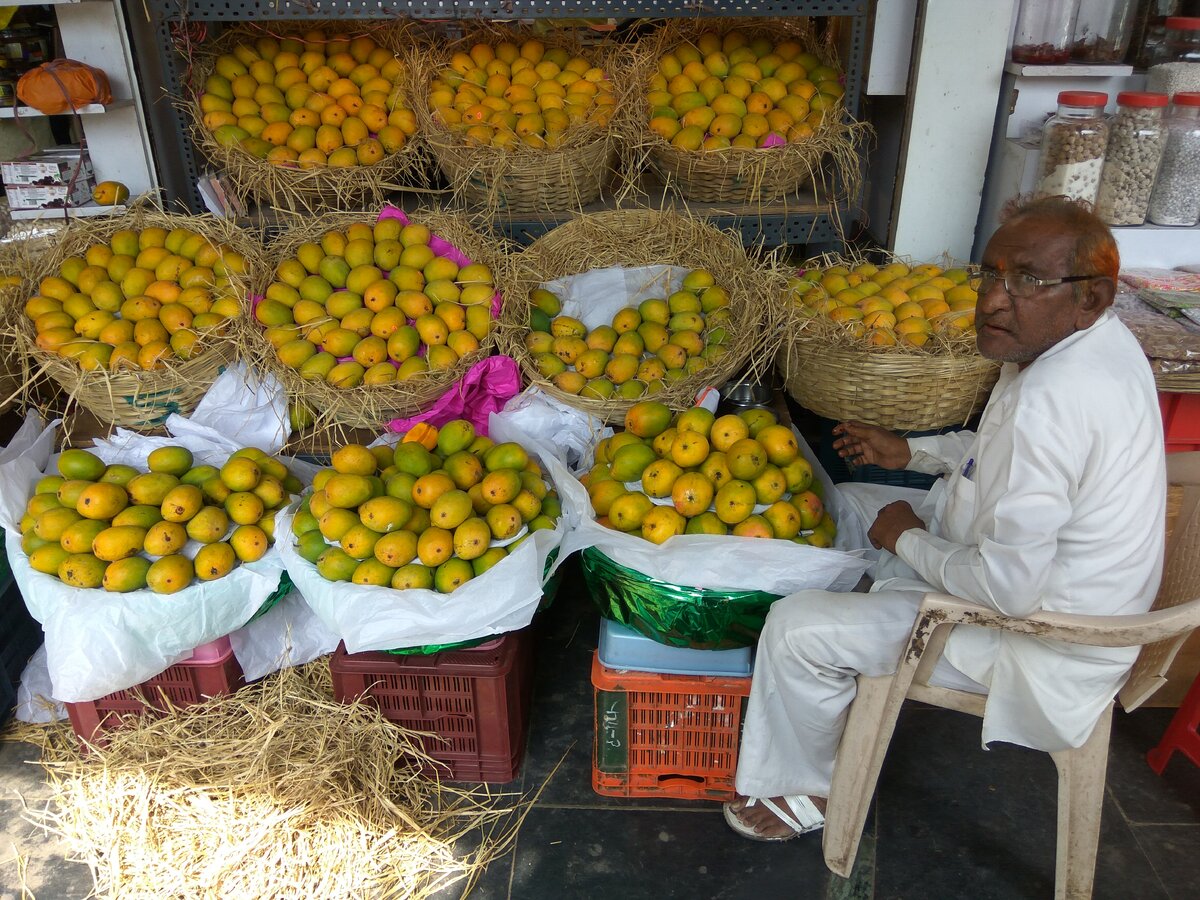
[{"x": 486, "y": 387}]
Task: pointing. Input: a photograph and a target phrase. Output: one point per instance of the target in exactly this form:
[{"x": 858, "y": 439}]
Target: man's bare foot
[{"x": 762, "y": 820}]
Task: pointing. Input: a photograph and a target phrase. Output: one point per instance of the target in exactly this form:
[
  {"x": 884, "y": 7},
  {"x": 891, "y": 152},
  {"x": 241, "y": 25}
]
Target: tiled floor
[{"x": 951, "y": 820}]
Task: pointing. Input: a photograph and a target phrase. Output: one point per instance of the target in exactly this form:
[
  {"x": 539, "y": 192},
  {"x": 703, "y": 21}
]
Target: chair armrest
[{"x": 1096, "y": 631}]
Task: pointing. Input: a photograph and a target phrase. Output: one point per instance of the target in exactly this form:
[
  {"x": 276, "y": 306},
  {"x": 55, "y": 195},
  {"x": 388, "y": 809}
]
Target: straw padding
[
  {"x": 828, "y": 159},
  {"x": 521, "y": 180},
  {"x": 369, "y": 406},
  {"x": 276, "y": 792},
  {"x": 16, "y": 377},
  {"x": 292, "y": 188},
  {"x": 644, "y": 237},
  {"x": 836, "y": 374},
  {"x": 137, "y": 398}
]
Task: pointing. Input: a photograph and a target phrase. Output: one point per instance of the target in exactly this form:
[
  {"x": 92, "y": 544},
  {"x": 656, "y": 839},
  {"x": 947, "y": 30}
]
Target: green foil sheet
[
  {"x": 674, "y": 614},
  {"x": 285, "y": 588}
]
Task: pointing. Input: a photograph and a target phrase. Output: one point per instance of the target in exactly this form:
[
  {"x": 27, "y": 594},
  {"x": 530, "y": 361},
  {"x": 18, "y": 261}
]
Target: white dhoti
[{"x": 812, "y": 647}]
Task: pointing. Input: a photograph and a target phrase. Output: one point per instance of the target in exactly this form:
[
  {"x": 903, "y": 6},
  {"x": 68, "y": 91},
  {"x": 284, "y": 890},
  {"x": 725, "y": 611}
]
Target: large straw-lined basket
[
  {"x": 291, "y": 186},
  {"x": 827, "y": 159},
  {"x": 521, "y": 180},
  {"x": 368, "y": 406},
  {"x": 643, "y": 237},
  {"x": 15, "y": 259},
  {"x": 137, "y": 398},
  {"x": 833, "y": 370}
]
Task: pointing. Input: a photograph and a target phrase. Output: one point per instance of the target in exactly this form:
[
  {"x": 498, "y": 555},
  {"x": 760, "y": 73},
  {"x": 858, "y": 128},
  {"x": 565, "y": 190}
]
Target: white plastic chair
[{"x": 1081, "y": 772}]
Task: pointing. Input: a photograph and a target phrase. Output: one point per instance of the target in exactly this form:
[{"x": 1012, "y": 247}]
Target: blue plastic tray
[{"x": 624, "y": 648}]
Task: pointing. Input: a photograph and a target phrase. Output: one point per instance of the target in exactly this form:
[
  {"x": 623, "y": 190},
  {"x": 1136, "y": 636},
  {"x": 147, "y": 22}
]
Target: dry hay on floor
[{"x": 273, "y": 792}]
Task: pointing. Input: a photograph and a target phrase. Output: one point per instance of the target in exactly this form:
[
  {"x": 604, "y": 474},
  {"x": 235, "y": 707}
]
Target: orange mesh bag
[{"x": 62, "y": 85}]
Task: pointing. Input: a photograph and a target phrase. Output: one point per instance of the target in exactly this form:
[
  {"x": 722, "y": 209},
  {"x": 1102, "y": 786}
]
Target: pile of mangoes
[
  {"x": 661, "y": 340},
  {"x": 113, "y": 527},
  {"x": 309, "y": 100},
  {"x": 737, "y": 474},
  {"x": 375, "y": 304},
  {"x": 439, "y": 509},
  {"x": 144, "y": 297}
]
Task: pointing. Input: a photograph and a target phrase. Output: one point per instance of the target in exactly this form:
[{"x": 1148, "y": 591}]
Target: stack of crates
[
  {"x": 1181, "y": 421},
  {"x": 668, "y": 720},
  {"x": 473, "y": 704},
  {"x": 212, "y": 669},
  {"x": 20, "y": 636}
]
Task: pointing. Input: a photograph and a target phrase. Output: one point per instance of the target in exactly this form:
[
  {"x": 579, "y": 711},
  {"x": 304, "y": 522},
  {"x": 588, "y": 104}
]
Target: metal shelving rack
[{"x": 798, "y": 220}]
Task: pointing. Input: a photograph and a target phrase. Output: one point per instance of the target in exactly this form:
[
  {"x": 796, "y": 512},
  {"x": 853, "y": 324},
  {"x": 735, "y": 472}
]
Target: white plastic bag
[
  {"x": 570, "y": 433},
  {"x": 288, "y": 634},
  {"x": 98, "y": 642},
  {"x": 725, "y": 562},
  {"x": 503, "y": 599}
]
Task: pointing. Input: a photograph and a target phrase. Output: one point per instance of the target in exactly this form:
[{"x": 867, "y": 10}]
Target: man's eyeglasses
[{"x": 1017, "y": 284}]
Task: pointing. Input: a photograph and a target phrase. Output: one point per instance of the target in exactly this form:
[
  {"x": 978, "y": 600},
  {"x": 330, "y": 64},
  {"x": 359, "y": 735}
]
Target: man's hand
[
  {"x": 861, "y": 444},
  {"x": 893, "y": 520}
]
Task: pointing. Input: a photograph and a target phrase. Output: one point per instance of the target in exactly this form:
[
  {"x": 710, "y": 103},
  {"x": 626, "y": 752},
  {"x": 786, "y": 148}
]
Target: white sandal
[{"x": 798, "y": 813}]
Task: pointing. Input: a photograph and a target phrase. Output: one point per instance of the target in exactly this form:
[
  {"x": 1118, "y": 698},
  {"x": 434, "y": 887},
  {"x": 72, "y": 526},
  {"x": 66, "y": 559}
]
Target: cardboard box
[
  {"x": 53, "y": 166},
  {"x": 51, "y": 196}
]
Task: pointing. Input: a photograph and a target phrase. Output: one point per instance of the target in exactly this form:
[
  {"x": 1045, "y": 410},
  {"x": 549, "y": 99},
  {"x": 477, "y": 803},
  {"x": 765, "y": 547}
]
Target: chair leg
[
  {"x": 856, "y": 771},
  {"x": 1081, "y": 777}
]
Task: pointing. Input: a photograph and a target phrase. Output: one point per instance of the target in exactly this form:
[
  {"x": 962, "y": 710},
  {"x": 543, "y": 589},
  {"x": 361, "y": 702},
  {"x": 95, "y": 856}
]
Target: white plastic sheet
[
  {"x": 288, "y": 634},
  {"x": 502, "y": 599},
  {"x": 724, "y": 562},
  {"x": 570, "y": 433},
  {"x": 597, "y": 295},
  {"x": 99, "y": 642}
]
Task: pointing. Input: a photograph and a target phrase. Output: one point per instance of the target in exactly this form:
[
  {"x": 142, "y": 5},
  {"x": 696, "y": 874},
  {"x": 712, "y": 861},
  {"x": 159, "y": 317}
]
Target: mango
[
  {"x": 80, "y": 465},
  {"x": 354, "y": 459},
  {"x": 508, "y": 455},
  {"x": 241, "y": 473},
  {"x": 488, "y": 560},
  {"x": 450, "y": 510},
  {"x": 170, "y": 460},
  {"x": 142, "y": 516},
  {"x": 303, "y": 522},
  {"x": 435, "y": 546},
  {"x": 769, "y": 486},
  {"x": 648, "y": 419},
  {"x": 336, "y": 565},
  {"x": 348, "y": 491},
  {"x": 335, "y": 522},
  {"x": 798, "y": 474},
  {"x": 630, "y": 461},
  {"x": 779, "y": 443},
  {"x": 397, "y": 549},
  {"x": 747, "y": 459},
  {"x": 359, "y": 542},
  {"x": 118, "y": 542},
  {"x": 504, "y": 520},
  {"x": 706, "y": 523},
  {"x": 49, "y": 484},
  {"x": 373, "y": 572},
  {"x": 500, "y": 486},
  {"x": 244, "y": 508},
  {"x": 215, "y": 490},
  {"x": 102, "y": 501},
  {"x": 661, "y": 524},
  {"x": 51, "y": 524},
  {"x": 199, "y": 474},
  {"x": 208, "y": 525},
  {"x": 69, "y": 491},
  {"x": 128, "y": 574},
  {"x": 754, "y": 526},
  {"x": 81, "y": 570},
  {"x": 455, "y": 436},
  {"x": 629, "y": 510},
  {"x": 412, "y": 459},
  {"x": 311, "y": 545},
  {"x": 215, "y": 560},
  {"x": 182, "y": 503},
  {"x": 170, "y": 574},
  {"x": 151, "y": 489},
  {"x": 528, "y": 505},
  {"x": 757, "y": 419},
  {"x": 385, "y": 514},
  {"x": 165, "y": 538},
  {"x": 47, "y": 559},
  {"x": 249, "y": 542},
  {"x": 464, "y": 468},
  {"x": 413, "y": 576},
  {"x": 734, "y": 501},
  {"x": 39, "y": 503},
  {"x": 451, "y": 575},
  {"x": 121, "y": 475},
  {"x": 31, "y": 542},
  {"x": 692, "y": 494}
]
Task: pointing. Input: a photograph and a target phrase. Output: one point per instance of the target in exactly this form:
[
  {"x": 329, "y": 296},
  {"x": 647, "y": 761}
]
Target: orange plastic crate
[
  {"x": 1181, "y": 421},
  {"x": 666, "y": 735}
]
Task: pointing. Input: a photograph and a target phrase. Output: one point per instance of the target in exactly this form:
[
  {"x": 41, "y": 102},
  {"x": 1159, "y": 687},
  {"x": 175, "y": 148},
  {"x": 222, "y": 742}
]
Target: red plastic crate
[
  {"x": 476, "y": 701},
  {"x": 212, "y": 670},
  {"x": 1181, "y": 421},
  {"x": 666, "y": 735}
]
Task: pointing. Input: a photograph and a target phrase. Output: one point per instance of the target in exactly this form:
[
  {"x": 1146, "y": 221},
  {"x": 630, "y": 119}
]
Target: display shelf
[
  {"x": 88, "y": 210},
  {"x": 1068, "y": 70},
  {"x": 91, "y": 109},
  {"x": 798, "y": 221}
]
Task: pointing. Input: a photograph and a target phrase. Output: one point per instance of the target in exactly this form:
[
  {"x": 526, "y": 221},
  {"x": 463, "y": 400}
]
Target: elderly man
[{"x": 1056, "y": 503}]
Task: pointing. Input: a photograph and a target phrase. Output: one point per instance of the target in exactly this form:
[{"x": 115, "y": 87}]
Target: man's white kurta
[{"x": 1056, "y": 503}]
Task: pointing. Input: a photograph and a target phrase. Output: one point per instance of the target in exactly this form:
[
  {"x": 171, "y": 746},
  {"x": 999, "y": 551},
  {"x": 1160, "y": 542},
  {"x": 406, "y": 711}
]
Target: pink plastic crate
[{"x": 211, "y": 670}]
